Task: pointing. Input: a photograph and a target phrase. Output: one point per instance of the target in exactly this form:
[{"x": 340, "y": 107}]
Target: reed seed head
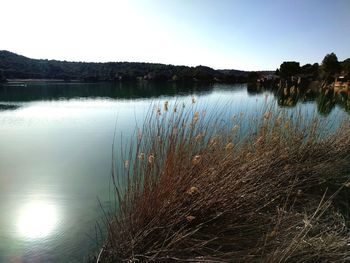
[
  {"x": 193, "y": 190},
  {"x": 195, "y": 117},
  {"x": 139, "y": 136},
  {"x": 267, "y": 115},
  {"x": 198, "y": 137},
  {"x": 196, "y": 159},
  {"x": 126, "y": 164},
  {"x": 235, "y": 128},
  {"x": 151, "y": 158},
  {"x": 141, "y": 156},
  {"x": 229, "y": 146},
  {"x": 213, "y": 141}
]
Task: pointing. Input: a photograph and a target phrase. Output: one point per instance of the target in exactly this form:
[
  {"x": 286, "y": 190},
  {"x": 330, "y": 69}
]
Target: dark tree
[
  {"x": 315, "y": 69},
  {"x": 309, "y": 69},
  {"x": 305, "y": 69},
  {"x": 253, "y": 76},
  {"x": 345, "y": 66},
  {"x": 330, "y": 65},
  {"x": 289, "y": 69}
]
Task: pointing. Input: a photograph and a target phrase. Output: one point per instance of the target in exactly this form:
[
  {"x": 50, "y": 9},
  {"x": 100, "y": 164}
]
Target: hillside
[{"x": 14, "y": 66}]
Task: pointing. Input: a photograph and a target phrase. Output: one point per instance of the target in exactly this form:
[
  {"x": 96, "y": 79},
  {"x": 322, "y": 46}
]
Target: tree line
[
  {"x": 329, "y": 69},
  {"x": 13, "y": 66}
]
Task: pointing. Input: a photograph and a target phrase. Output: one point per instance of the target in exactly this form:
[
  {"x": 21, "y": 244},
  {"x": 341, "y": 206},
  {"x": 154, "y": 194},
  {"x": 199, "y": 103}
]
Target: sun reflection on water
[{"x": 37, "y": 219}]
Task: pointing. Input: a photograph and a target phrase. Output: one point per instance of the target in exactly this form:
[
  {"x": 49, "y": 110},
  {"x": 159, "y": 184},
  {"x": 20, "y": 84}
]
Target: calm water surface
[{"x": 55, "y": 156}]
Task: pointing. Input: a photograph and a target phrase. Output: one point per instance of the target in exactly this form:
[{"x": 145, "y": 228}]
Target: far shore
[{"x": 38, "y": 80}]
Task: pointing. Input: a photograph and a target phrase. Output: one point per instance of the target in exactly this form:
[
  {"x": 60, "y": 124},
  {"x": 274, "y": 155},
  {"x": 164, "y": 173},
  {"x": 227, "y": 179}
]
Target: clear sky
[{"x": 246, "y": 34}]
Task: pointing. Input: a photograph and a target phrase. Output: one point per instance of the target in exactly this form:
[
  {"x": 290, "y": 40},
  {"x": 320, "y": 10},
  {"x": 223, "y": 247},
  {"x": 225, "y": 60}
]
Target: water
[{"x": 55, "y": 155}]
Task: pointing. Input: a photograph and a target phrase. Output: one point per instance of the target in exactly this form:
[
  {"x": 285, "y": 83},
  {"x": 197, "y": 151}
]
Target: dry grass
[{"x": 192, "y": 189}]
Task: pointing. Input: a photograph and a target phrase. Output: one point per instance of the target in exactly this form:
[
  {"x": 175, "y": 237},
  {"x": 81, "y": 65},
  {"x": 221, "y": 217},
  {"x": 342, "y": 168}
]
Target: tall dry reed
[{"x": 195, "y": 188}]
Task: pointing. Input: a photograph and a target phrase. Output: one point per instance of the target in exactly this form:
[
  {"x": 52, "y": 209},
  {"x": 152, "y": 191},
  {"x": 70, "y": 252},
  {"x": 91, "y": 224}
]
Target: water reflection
[
  {"x": 286, "y": 96},
  {"x": 326, "y": 99},
  {"x": 132, "y": 90},
  {"x": 37, "y": 219},
  {"x": 4, "y": 107}
]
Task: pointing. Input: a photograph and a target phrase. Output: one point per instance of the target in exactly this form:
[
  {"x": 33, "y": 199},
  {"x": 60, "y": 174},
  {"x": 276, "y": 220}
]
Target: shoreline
[{"x": 14, "y": 81}]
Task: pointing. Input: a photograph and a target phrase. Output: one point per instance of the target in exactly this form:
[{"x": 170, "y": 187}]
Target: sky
[{"x": 223, "y": 34}]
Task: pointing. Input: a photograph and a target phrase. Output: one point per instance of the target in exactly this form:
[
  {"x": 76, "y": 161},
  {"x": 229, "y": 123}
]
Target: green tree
[
  {"x": 289, "y": 69},
  {"x": 315, "y": 69},
  {"x": 309, "y": 69},
  {"x": 253, "y": 76},
  {"x": 330, "y": 65},
  {"x": 345, "y": 65}
]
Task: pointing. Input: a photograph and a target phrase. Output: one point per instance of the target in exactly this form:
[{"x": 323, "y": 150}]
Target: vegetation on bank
[
  {"x": 329, "y": 70},
  {"x": 328, "y": 84},
  {"x": 325, "y": 97},
  {"x": 198, "y": 187},
  {"x": 13, "y": 66}
]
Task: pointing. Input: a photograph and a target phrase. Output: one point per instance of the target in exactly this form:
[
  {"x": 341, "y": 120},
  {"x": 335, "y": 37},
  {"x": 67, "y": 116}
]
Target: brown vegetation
[{"x": 197, "y": 190}]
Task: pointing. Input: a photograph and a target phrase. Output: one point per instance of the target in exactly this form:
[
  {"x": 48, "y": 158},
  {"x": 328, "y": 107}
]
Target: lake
[{"x": 56, "y": 153}]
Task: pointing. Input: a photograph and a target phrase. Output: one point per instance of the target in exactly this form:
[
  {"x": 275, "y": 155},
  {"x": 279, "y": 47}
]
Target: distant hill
[{"x": 14, "y": 66}]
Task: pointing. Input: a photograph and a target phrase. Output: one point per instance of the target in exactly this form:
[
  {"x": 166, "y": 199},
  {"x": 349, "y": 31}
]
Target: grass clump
[{"x": 250, "y": 189}]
